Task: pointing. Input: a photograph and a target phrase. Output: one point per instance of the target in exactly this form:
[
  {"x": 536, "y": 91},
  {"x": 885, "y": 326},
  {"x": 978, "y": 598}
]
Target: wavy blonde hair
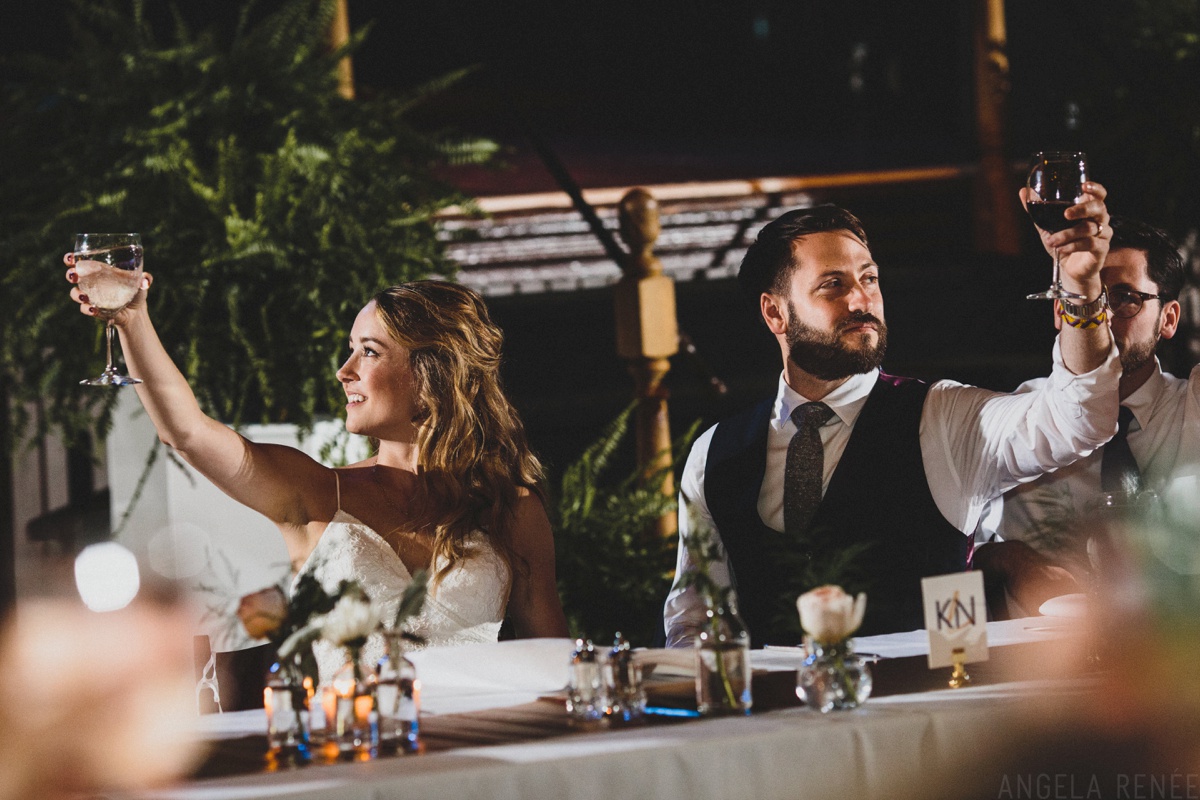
[{"x": 472, "y": 454}]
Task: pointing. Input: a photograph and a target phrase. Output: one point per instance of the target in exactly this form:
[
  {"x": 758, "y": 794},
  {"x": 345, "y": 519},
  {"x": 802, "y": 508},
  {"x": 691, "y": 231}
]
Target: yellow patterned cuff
[{"x": 1085, "y": 323}]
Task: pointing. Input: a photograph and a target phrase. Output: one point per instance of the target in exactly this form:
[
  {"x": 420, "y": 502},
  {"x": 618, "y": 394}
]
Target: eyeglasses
[{"x": 1127, "y": 303}]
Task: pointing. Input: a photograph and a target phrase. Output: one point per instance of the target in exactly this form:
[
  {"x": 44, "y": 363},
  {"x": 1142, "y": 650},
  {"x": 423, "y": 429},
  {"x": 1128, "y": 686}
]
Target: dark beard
[
  {"x": 1136, "y": 356},
  {"x": 825, "y": 357}
]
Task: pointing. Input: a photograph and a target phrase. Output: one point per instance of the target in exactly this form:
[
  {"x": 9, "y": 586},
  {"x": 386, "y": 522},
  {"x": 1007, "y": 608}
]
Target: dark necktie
[
  {"x": 1118, "y": 468},
  {"x": 805, "y": 468}
]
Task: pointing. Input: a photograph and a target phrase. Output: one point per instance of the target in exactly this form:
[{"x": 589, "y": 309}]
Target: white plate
[{"x": 1067, "y": 605}]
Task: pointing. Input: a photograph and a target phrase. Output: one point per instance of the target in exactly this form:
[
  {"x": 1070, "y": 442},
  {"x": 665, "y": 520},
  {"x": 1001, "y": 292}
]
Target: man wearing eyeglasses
[
  {"x": 1160, "y": 413},
  {"x": 847, "y": 471}
]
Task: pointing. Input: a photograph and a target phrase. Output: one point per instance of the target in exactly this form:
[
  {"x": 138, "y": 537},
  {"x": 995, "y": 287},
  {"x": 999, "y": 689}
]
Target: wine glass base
[
  {"x": 1055, "y": 294},
  {"x": 113, "y": 378}
]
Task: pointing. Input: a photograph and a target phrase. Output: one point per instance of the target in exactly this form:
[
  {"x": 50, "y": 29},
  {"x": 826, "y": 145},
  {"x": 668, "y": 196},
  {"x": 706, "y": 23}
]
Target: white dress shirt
[
  {"x": 1164, "y": 437},
  {"x": 975, "y": 445}
]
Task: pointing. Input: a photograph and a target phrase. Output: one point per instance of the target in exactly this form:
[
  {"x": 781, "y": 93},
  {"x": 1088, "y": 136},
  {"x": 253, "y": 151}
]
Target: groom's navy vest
[{"x": 878, "y": 496}]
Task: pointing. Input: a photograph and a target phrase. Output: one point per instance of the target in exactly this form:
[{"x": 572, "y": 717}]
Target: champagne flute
[
  {"x": 109, "y": 266},
  {"x": 1055, "y": 182}
]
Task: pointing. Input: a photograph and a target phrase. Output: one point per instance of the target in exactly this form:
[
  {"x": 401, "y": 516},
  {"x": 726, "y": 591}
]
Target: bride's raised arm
[{"x": 282, "y": 483}]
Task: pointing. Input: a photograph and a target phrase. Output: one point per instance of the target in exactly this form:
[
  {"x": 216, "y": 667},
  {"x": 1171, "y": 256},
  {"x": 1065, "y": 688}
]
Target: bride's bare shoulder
[
  {"x": 524, "y": 493},
  {"x": 530, "y": 522}
]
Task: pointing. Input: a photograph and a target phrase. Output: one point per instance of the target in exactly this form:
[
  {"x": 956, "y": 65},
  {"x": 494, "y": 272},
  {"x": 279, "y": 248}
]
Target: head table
[{"x": 493, "y": 727}]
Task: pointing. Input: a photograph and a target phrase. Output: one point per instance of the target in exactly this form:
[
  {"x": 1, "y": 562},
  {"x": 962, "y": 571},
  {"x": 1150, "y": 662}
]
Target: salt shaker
[
  {"x": 626, "y": 694},
  {"x": 587, "y": 697}
]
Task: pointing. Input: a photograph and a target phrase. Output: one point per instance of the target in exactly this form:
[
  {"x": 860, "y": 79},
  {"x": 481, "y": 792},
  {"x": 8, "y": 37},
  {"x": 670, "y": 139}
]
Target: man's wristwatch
[
  {"x": 1086, "y": 316},
  {"x": 1087, "y": 310}
]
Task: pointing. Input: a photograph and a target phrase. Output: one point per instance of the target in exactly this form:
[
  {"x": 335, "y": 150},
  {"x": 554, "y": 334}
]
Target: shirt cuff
[{"x": 1079, "y": 389}]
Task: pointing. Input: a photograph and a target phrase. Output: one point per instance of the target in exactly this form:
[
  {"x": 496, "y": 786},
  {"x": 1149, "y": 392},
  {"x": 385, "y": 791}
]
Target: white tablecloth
[{"x": 873, "y": 752}]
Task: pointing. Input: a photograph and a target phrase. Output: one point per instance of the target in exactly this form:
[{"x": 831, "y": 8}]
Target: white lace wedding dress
[{"x": 466, "y": 606}]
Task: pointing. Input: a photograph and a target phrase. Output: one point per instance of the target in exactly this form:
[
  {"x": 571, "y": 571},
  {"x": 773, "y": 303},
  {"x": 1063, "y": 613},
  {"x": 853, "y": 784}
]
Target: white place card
[{"x": 955, "y": 617}]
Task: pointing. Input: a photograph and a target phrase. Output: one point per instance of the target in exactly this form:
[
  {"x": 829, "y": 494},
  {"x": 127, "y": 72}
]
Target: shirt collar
[
  {"x": 1142, "y": 401},
  {"x": 846, "y": 401}
]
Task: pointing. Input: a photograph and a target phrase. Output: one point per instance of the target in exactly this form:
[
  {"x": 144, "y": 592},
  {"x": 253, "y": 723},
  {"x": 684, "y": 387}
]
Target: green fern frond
[
  {"x": 430, "y": 88},
  {"x": 464, "y": 151},
  {"x": 580, "y": 478},
  {"x": 614, "y": 570}
]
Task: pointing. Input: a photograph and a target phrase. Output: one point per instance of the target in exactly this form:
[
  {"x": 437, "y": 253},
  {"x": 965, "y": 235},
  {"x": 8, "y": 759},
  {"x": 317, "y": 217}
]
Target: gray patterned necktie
[
  {"x": 1118, "y": 468},
  {"x": 805, "y": 467}
]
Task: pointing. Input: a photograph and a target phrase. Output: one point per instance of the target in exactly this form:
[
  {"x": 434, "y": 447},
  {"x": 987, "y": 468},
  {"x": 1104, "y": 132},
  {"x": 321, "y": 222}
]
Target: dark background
[
  {"x": 645, "y": 91},
  {"x": 800, "y": 86}
]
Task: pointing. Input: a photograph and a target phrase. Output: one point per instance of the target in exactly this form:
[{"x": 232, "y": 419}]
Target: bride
[{"x": 452, "y": 488}]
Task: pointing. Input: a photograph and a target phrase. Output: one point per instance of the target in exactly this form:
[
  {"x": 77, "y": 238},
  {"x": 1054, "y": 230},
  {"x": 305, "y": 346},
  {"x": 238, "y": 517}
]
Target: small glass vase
[
  {"x": 723, "y": 663},
  {"x": 833, "y": 677},
  {"x": 286, "y": 700},
  {"x": 398, "y": 697},
  {"x": 356, "y": 720}
]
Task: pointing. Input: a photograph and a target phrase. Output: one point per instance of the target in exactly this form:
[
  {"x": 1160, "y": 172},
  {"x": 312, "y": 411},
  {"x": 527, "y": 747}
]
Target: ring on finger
[{"x": 1099, "y": 227}]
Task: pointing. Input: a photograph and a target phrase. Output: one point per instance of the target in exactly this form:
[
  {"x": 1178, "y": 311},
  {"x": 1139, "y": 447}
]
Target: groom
[{"x": 845, "y": 461}]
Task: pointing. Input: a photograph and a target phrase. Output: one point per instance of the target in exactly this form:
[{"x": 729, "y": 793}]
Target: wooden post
[
  {"x": 338, "y": 35},
  {"x": 8, "y": 532},
  {"x": 647, "y": 336},
  {"x": 996, "y": 227}
]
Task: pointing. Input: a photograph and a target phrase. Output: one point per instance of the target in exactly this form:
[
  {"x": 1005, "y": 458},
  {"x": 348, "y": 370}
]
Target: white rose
[
  {"x": 829, "y": 615},
  {"x": 353, "y": 617}
]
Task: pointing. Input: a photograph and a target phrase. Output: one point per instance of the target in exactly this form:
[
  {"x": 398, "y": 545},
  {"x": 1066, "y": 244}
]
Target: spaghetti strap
[{"x": 337, "y": 481}]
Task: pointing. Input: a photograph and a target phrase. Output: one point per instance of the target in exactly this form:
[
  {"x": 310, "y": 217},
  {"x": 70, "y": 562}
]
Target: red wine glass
[{"x": 1055, "y": 184}]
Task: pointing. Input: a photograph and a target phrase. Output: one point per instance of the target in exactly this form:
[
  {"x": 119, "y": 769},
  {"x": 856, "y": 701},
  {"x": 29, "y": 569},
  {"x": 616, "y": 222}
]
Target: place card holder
[
  {"x": 958, "y": 676},
  {"x": 956, "y": 622}
]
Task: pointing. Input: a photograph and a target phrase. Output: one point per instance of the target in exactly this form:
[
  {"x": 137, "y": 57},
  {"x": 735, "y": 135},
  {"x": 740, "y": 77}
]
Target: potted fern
[{"x": 614, "y": 570}]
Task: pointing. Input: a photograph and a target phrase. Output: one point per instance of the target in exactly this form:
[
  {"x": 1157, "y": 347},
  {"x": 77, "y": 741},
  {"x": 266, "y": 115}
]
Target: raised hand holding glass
[
  {"x": 109, "y": 266},
  {"x": 1055, "y": 183}
]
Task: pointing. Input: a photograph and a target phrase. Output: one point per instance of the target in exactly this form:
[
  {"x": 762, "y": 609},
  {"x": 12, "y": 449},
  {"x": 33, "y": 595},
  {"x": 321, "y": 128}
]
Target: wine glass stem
[
  {"x": 1057, "y": 282},
  {"x": 108, "y": 337}
]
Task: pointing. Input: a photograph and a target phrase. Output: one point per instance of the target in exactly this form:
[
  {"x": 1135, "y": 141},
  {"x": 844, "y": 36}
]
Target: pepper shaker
[
  {"x": 587, "y": 697},
  {"x": 627, "y": 695}
]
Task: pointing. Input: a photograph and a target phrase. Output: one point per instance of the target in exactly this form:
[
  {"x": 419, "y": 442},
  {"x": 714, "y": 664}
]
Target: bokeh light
[{"x": 106, "y": 575}]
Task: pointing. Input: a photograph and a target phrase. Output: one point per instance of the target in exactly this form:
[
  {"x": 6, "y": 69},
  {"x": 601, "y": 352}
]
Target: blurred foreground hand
[{"x": 92, "y": 701}]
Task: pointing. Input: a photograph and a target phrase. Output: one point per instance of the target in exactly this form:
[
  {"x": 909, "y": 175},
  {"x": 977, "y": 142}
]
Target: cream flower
[
  {"x": 829, "y": 615},
  {"x": 354, "y": 617}
]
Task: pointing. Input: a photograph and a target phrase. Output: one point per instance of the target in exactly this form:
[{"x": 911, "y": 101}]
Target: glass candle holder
[
  {"x": 398, "y": 697},
  {"x": 356, "y": 722},
  {"x": 286, "y": 700}
]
